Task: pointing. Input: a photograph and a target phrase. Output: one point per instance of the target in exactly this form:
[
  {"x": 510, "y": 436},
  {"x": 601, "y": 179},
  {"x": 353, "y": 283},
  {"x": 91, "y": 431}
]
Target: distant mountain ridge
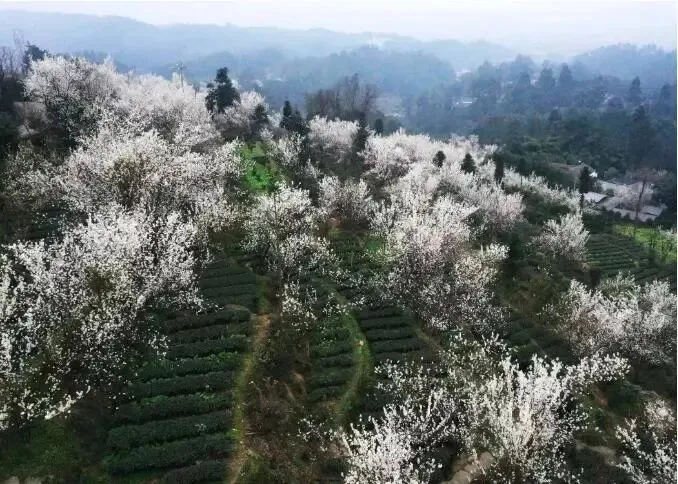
[
  {"x": 625, "y": 61},
  {"x": 143, "y": 46}
]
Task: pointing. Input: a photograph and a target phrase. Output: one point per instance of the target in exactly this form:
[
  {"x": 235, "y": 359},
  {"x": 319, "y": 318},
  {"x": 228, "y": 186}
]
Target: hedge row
[
  {"x": 392, "y": 322},
  {"x": 210, "y": 470},
  {"x": 379, "y": 334},
  {"x": 128, "y": 436},
  {"x": 344, "y": 359},
  {"x": 335, "y": 348},
  {"x": 221, "y": 270},
  {"x": 330, "y": 377},
  {"x": 409, "y": 344},
  {"x": 519, "y": 338},
  {"x": 197, "y": 321},
  {"x": 171, "y": 454},
  {"x": 338, "y": 333},
  {"x": 202, "y": 348},
  {"x": 524, "y": 353},
  {"x": 247, "y": 300},
  {"x": 229, "y": 280},
  {"x": 376, "y": 313},
  {"x": 324, "y": 393},
  {"x": 218, "y": 380},
  {"x": 162, "y": 407},
  {"x": 188, "y": 366},
  {"x": 209, "y": 332},
  {"x": 230, "y": 290},
  {"x": 385, "y": 356}
]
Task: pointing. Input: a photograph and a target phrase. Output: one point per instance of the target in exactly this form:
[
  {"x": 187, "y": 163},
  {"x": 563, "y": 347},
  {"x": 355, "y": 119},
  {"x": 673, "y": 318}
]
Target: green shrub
[
  {"x": 409, "y": 344},
  {"x": 378, "y": 334},
  {"x": 524, "y": 353},
  {"x": 224, "y": 291},
  {"x": 328, "y": 378},
  {"x": 335, "y": 348},
  {"x": 205, "y": 471},
  {"x": 341, "y": 360},
  {"x": 376, "y": 313},
  {"x": 519, "y": 338},
  {"x": 218, "y": 380},
  {"x": 166, "y": 407},
  {"x": 389, "y": 322},
  {"x": 128, "y": 436},
  {"x": 228, "y": 280},
  {"x": 201, "y": 348},
  {"x": 172, "y": 454},
  {"x": 324, "y": 393},
  {"x": 209, "y": 332},
  {"x": 207, "y": 319},
  {"x": 188, "y": 366}
]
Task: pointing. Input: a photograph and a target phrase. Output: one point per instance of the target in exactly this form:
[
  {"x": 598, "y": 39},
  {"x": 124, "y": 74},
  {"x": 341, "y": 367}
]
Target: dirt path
[{"x": 261, "y": 329}]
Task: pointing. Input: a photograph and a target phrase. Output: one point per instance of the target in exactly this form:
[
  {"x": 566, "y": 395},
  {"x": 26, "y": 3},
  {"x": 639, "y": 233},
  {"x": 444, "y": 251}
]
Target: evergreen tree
[
  {"x": 221, "y": 92},
  {"x": 439, "y": 159},
  {"x": 555, "y": 116},
  {"x": 565, "y": 86},
  {"x": 359, "y": 144},
  {"x": 298, "y": 124},
  {"x": 379, "y": 126},
  {"x": 666, "y": 104},
  {"x": 498, "y": 169},
  {"x": 32, "y": 53},
  {"x": 585, "y": 181},
  {"x": 640, "y": 137},
  {"x": 468, "y": 165},
  {"x": 260, "y": 117},
  {"x": 565, "y": 79},
  {"x": 635, "y": 95},
  {"x": 287, "y": 112}
]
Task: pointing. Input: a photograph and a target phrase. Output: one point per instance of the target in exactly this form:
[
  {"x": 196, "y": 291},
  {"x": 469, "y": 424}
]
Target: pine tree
[
  {"x": 585, "y": 181},
  {"x": 379, "y": 126},
  {"x": 287, "y": 112},
  {"x": 635, "y": 96},
  {"x": 498, "y": 169},
  {"x": 468, "y": 165},
  {"x": 221, "y": 92},
  {"x": 260, "y": 117},
  {"x": 439, "y": 159},
  {"x": 359, "y": 144}
]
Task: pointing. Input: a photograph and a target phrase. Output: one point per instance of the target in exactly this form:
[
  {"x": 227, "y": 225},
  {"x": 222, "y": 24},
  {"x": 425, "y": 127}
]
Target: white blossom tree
[
  {"x": 648, "y": 445},
  {"x": 73, "y": 92},
  {"x": 350, "y": 200},
  {"x": 620, "y": 315},
  {"x": 331, "y": 139},
  {"x": 394, "y": 448},
  {"x": 240, "y": 119},
  {"x": 275, "y": 217},
  {"x": 479, "y": 398},
  {"x": 565, "y": 237},
  {"x": 73, "y": 312},
  {"x": 429, "y": 264}
]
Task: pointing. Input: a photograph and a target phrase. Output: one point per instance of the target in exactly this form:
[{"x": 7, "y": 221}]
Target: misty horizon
[{"x": 532, "y": 28}]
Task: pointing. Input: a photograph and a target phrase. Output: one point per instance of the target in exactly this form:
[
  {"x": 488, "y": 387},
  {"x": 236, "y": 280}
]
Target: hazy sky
[{"x": 533, "y": 27}]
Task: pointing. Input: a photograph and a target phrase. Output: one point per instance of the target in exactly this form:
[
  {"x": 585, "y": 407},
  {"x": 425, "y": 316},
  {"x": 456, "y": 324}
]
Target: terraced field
[
  {"x": 527, "y": 339},
  {"x": 388, "y": 332},
  {"x": 177, "y": 425},
  {"x": 615, "y": 253}
]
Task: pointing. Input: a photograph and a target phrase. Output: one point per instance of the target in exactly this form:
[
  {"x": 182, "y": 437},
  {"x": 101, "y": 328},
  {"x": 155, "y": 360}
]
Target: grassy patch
[{"x": 663, "y": 243}]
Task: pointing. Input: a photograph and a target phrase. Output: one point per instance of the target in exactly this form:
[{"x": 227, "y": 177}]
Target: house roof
[{"x": 594, "y": 197}]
